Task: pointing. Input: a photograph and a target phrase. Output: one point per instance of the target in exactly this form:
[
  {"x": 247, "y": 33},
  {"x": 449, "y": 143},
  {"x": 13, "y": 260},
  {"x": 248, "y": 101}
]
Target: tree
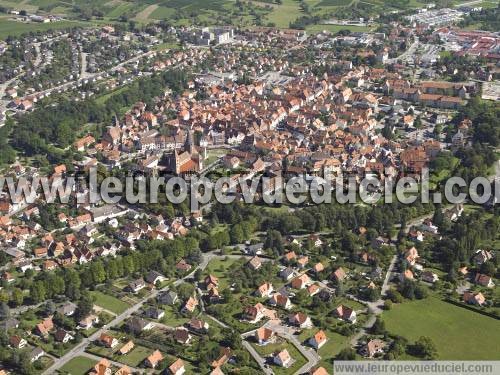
[
  {"x": 424, "y": 347},
  {"x": 50, "y": 308},
  {"x": 347, "y": 354},
  {"x": 4, "y": 311},
  {"x": 17, "y": 297},
  {"x": 378, "y": 327},
  {"x": 38, "y": 292},
  {"x": 237, "y": 234},
  {"x": 84, "y": 306}
]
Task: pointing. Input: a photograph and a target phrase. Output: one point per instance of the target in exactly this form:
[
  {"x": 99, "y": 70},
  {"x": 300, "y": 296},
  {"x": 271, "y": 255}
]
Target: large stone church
[{"x": 189, "y": 160}]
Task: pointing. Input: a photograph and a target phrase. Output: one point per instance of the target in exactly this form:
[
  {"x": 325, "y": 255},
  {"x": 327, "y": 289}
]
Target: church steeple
[{"x": 189, "y": 143}]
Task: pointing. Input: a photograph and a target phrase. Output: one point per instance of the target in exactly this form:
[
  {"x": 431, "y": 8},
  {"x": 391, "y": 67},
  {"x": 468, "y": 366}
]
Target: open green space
[
  {"x": 14, "y": 28},
  {"x": 135, "y": 357},
  {"x": 458, "y": 333},
  {"x": 108, "y": 302},
  {"x": 78, "y": 366}
]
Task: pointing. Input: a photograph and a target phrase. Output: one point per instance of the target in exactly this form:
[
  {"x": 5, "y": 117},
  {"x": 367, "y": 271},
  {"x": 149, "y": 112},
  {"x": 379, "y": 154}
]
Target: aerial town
[{"x": 158, "y": 288}]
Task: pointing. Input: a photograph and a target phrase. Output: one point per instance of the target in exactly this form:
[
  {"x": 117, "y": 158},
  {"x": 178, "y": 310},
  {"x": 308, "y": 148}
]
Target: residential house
[
  {"x": 264, "y": 290},
  {"x": 154, "y": 277},
  {"x": 282, "y": 358},
  {"x": 318, "y": 371},
  {"x": 318, "y": 340},
  {"x": 168, "y": 297},
  {"x": 177, "y": 368},
  {"x": 280, "y": 300},
  {"x": 182, "y": 336},
  {"x": 287, "y": 273},
  {"x": 482, "y": 256},
  {"x": 103, "y": 367},
  {"x": 44, "y": 327},
  {"x": 154, "y": 313},
  {"x": 301, "y": 282},
  {"x": 411, "y": 256},
  {"x": 67, "y": 309},
  {"x": 429, "y": 277},
  {"x": 474, "y": 298},
  {"x": 345, "y": 313},
  {"x": 136, "y": 285},
  {"x": 255, "y": 263},
  {"x": 62, "y": 336},
  {"x": 254, "y": 313},
  {"x": 374, "y": 347},
  {"x": 225, "y": 355},
  {"x": 183, "y": 266},
  {"x": 108, "y": 341},
  {"x": 17, "y": 342},
  {"x": 484, "y": 280},
  {"x": 300, "y": 320},
  {"x": 198, "y": 325},
  {"x": 318, "y": 267},
  {"x": 154, "y": 359},
  {"x": 125, "y": 349},
  {"x": 36, "y": 354},
  {"x": 190, "y": 305},
  {"x": 339, "y": 274},
  {"x": 137, "y": 325},
  {"x": 264, "y": 335},
  {"x": 88, "y": 322}
]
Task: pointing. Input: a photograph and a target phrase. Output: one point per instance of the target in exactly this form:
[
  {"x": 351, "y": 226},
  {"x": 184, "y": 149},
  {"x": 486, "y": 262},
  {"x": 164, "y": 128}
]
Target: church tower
[{"x": 189, "y": 143}]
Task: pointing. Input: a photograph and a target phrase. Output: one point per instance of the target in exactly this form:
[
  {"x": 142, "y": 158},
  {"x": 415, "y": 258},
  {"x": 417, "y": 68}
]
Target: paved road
[
  {"x": 261, "y": 361},
  {"x": 80, "y": 348},
  {"x": 375, "y": 308},
  {"x": 288, "y": 333}
]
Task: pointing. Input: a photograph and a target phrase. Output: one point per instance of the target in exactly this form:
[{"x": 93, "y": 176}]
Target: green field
[
  {"x": 135, "y": 357},
  {"x": 110, "y": 303},
  {"x": 14, "y": 28},
  {"x": 459, "y": 334},
  {"x": 78, "y": 366},
  {"x": 162, "y": 13}
]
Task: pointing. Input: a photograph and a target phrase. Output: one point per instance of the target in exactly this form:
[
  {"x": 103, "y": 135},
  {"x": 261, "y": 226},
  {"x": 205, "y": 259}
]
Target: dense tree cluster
[{"x": 46, "y": 131}]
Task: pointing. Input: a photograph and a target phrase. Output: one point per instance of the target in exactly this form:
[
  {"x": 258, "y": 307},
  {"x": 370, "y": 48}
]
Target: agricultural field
[
  {"x": 474, "y": 336},
  {"x": 13, "y": 28}
]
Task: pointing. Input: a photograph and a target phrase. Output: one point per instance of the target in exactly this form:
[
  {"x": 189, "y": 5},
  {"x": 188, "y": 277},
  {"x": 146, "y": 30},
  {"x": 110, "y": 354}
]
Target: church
[{"x": 188, "y": 161}]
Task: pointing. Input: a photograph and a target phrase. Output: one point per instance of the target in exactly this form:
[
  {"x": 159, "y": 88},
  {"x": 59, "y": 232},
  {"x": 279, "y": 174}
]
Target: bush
[{"x": 387, "y": 304}]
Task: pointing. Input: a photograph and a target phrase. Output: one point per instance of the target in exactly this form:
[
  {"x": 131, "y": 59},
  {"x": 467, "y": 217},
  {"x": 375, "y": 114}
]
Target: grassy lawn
[
  {"x": 219, "y": 268},
  {"x": 104, "y": 98},
  {"x": 135, "y": 357},
  {"x": 110, "y": 303},
  {"x": 78, "y": 366},
  {"x": 269, "y": 349},
  {"x": 213, "y": 155},
  {"x": 172, "y": 317},
  {"x": 458, "y": 333},
  {"x": 336, "y": 342}
]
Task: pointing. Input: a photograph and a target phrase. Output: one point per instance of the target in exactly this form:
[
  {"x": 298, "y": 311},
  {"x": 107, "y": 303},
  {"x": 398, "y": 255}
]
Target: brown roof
[{"x": 176, "y": 366}]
